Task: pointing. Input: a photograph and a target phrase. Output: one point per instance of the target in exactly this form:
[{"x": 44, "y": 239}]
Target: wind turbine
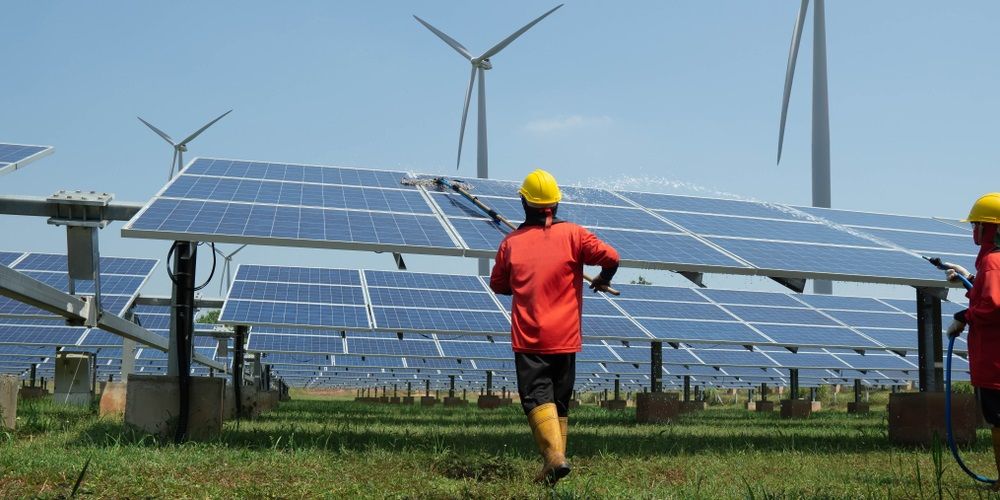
[
  {"x": 227, "y": 269},
  {"x": 180, "y": 147},
  {"x": 820, "y": 110},
  {"x": 479, "y": 66}
]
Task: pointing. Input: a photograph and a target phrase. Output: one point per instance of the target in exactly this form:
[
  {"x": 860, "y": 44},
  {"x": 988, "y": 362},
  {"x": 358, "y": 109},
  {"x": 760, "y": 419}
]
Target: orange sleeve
[
  {"x": 595, "y": 252},
  {"x": 984, "y": 306},
  {"x": 500, "y": 276}
]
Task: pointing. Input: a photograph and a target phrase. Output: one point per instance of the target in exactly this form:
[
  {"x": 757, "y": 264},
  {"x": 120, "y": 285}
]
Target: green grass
[{"x": 320, "y": 447}]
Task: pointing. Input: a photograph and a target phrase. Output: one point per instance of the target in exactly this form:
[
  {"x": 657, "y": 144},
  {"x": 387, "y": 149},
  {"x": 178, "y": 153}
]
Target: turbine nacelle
[{"x": 482, "y": 63}]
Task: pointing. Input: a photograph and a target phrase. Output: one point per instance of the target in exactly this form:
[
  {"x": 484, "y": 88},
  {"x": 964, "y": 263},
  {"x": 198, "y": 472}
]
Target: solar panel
[
  {"x": 809, "y": 335},
  {"x": 318, "y": 344},
  {"x": 476, "y": 350},
  {"x": 15, "y": 156},
  {"x": 750, "y": 298}
]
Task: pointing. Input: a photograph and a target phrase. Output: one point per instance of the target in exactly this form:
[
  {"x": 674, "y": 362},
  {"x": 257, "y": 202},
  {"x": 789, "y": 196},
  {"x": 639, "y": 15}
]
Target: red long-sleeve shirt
[
  {"x": 543, "y": 269},
  {"x": 983, "y": 315}
]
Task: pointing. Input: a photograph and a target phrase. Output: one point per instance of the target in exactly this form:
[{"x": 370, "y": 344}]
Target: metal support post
[
  {"x": 34, "y": 368},
  {"x": 185, "y": 255},
  {"x": 656, "y": 367},
  {"x": 812, "y": 394},
  {"x": 857, "y": 390},
  {"x": 929, "y": 343},
  {"x": 687, "y": 388},
  {"x": 427, "y": 388},
  {"x": 239, "y": 340},
  {"x": 489, "y": 383},
  {"x": 763, "y": 392},
  {"x": 409, "y": 389},
  {"x": 793, "y": 392},
  {"x": 618, "y": 388}
]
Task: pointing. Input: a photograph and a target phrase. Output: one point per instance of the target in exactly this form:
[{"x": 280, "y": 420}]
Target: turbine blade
[
  {"x": 202, "y": 129},
  {"x": 158, "y": 131},
  {"x": 465, "y": 115},
  {"x": 506, "y": 41},
  {"x": 447, "y": 39},
  {"x": 793, "y": 54},
  {"x": 237, "y": 251}
]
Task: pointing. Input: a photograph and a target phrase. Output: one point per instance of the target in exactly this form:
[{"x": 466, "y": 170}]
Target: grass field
[{"x": 316, "y": 446}]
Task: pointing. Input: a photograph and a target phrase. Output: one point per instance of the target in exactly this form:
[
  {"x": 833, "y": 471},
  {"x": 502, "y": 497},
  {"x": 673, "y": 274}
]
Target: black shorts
[
  {"x": 989, "y": 401},
  {"x": 545, "y": 378}
]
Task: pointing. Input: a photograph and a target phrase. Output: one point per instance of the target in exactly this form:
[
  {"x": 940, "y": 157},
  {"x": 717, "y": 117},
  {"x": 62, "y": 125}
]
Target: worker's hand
[
  {"x": 956, "y": 328},
  {"x": 598, "y": 284},
  {"x": 955, "y": 270}
]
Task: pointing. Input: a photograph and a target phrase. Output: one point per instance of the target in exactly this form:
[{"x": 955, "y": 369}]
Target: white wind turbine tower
[
  {"x": 820, "y": 110},
  {"x": 180, "y": 147},
  {"x": 479, "y": 66}
]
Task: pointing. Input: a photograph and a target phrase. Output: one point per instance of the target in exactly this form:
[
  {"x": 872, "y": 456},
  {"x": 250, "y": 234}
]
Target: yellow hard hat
[
  {"x": 986, "y": 209},
  {"x": 540, "y": 189}
]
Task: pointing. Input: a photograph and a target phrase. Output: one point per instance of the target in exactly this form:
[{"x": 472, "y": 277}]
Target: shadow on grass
[{"x": 342, "y": 427}]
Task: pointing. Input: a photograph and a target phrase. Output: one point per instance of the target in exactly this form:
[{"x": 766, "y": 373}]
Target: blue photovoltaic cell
[
  {"x": 750, "y": 298},
  {"x": 838, "y": 302},
  {"x": 595, "y": 352},
  {"x": 109, "y": 265},
  {"x": 759, "y": 314},
  {"x": 437, "y": 363},
  {"x": 297, "y": 292},
  {"x": 297, "y": 173},
  {"x": 681, "y": 310},
  {"x": 16, "y": 153},
  {"x": 597, "y": 306},
  {"x": 404, "y": 297},
  {"x": 849, "y": 218},
  {"x": 297, "y": 194},
  {"x": 894, "y": 338},
  {"x": 474, "y": 350},
  {"x": 211, "y": 218},
  {"x": 391, "y": 347},
  {"x": 626, "y": 369},
  {"x": 608, "y": 327},
  {"x": 479, "y": 234},
  {"x": 399, "y": 279},
  {"x": 454, "y": 205},
  {"x": 701, "y": 331},
  {"x": 391, "y": 318},
  {"x": 663, "y": 248},
  {"x": 495, "y": 365},
  {"x": 310, "y": 275},
  {"x": 290, "y": 314},
  {"x": 713, "y": 225},
  {"x": 296, "y": 359},
  {"x": 906, "y": 305},
  {"x": 667, "y": 293},
  {"x": 362, "y": 361},
  {"x": 799, "y": 335},
  {"x": 111, "y": 284},
  {"x": 828, "y": 259},
  {"x": 805, "y": 360},
  {"x": 706, "y": 205},
  {"x": 928, "y": 242},
  {"x": 97, "y": 338},
  {"x": 877, "y": 320},
  {"x": 725, "y": 357},
  {"x": 6, "y": 258},
  {"x": 611, "y": 217},
  {"x": 265, "y": 342},
  {"x": 40, "y": 335},
  {"x": 876, "y": 362}
]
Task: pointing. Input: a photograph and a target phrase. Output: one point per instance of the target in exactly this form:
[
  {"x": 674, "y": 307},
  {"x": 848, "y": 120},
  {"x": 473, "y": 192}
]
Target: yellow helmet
[
  {"x": 986, "y": 209},
  {"x": 539, "y": 189}
]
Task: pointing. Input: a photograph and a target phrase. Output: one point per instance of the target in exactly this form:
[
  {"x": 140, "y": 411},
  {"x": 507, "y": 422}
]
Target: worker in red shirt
[
  {"x": 983, "y": 314},
  {"x": 541, "y": 265}
]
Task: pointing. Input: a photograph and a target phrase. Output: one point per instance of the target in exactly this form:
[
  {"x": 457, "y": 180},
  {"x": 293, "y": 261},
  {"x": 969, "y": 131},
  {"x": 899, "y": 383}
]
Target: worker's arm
[
  {"x": 984, "y": 308},
  {"x": 500, "y": 277},
  {"x": 595, "y": 252}
]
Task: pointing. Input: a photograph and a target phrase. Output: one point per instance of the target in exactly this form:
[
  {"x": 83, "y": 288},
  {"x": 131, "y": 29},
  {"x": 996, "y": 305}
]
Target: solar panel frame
[{"x": 17, "y": 156}]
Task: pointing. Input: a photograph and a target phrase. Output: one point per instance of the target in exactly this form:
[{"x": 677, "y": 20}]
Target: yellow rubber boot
[
  {"x": 995, "y": 432},
  {"x": 544, "y": 423},
  {"x": 563, "y": 429}
]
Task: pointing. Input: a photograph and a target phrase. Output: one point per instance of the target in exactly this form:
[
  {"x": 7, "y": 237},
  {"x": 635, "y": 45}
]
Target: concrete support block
[
  {"x": 506, "y": 401},
  {"x": 488, "y": 402},
  {"x": 250, "y": 401},
  {"x": 452, "y": 402},
  {"x": 394, "y": 400},
  {"x": 692, "y": 406},
  {"x": 916, "y": 417},
  {"x": 228, "y": 403},
  {"x": 73, "y": 378},
  {"x": 428, "y": 400},
  {"x": 113, "y": 397},
  {"x": 9, "y": 386},
  {"x": 853, "y": 407},
  {"x": 32, "y": 393},
  {"x": 152, "y": 405},
  {"x": 407, "y": 400},
  {"x": 816, "y": 406},
  {"x": 268, "y": 400},
  {"x": 656, "y": 407},
  {"x": 751, "y": 406},
  {"x": 616, "y": 404},
  {"x": 796, "y": 408},
  {"x": 764, "y": 406}
]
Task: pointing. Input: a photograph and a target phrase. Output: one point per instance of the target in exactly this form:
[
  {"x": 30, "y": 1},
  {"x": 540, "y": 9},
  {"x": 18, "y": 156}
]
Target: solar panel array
[
  {"x": 15, "y": 156},
  {"x": 337, "y": 207}
]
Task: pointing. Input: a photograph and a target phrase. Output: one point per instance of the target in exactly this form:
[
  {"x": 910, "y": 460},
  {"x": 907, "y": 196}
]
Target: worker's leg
[
  {"x": 535, "y": 388},
  {"x": 563, "y": 377},
  {"x": 534, "y": 385},
  {"x": 989, "y": 401}
]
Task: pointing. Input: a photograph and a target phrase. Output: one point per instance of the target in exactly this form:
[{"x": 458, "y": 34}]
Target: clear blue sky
[{"x": 685, "y": 91}]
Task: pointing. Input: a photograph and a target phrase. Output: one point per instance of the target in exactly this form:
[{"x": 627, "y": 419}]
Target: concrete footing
[
  {"x": 9, "y": 386},
  {"x": 692, "y": 406},
  {"x": 506, "y": 401},
  {"x": 917, "y": 417},
  {"x": 152, "y": 405},
  {"x": 268, "y": 400},
  {"x": 452, "y": 402},
  {"x": 394, "y": 400},
  {"x": 73, "y": 378},
  {"x": 113, "y": 397},
  {"x": 656, "y": 407},
  {"x": 32, "y": 393},
  {"x": 751, "y": 406},
  {"x": 853, "y": 407},
  {"x": 615, "y": 404},
  {"x": 488, "y": 402},
  {"x": 407, "y": 400},
  {"x": 428, "y": 400},
  {"x": 815, "y": 406},
  {"x": 796, "y": 408},
  {"x": 764, "y": 406}
]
